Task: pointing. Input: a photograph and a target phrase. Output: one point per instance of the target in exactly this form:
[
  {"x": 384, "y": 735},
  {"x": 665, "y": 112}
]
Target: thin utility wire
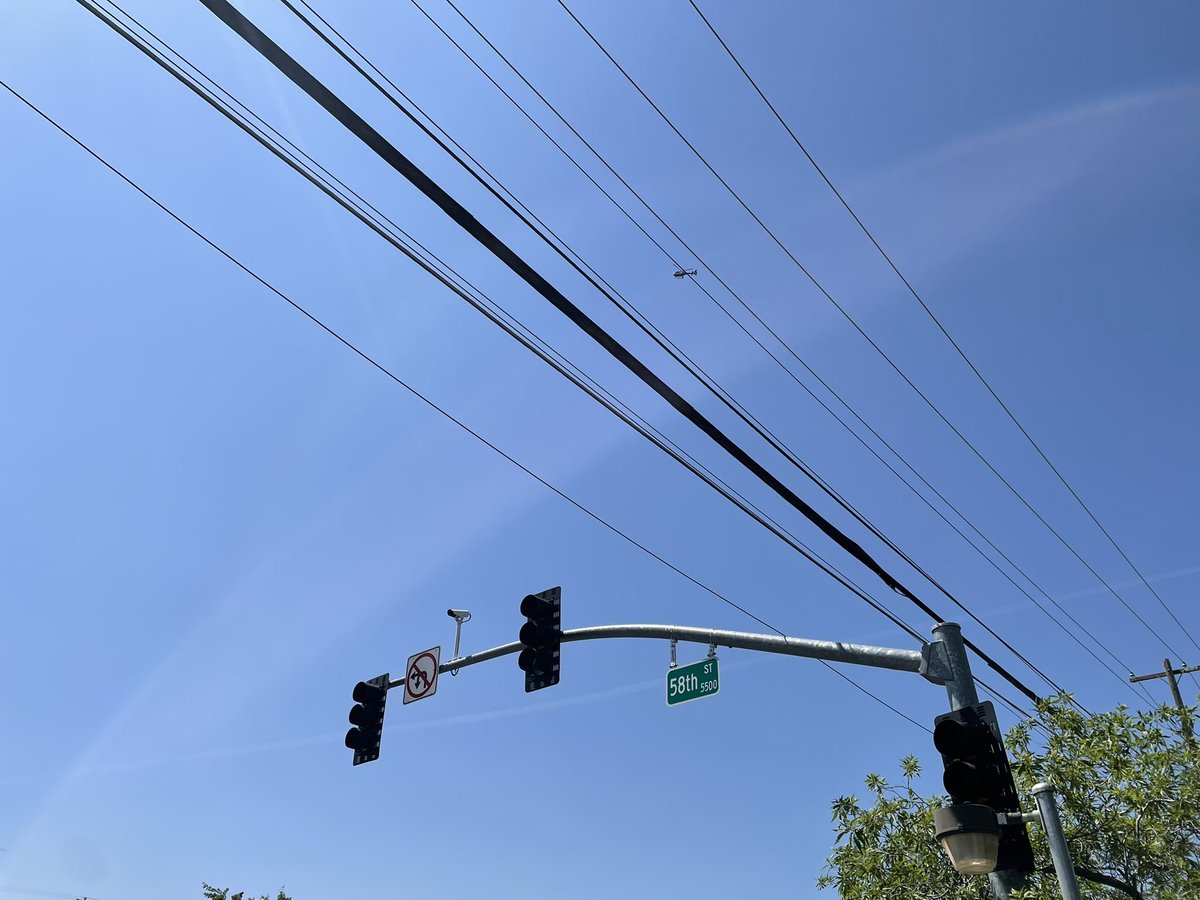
[
  {"x": 388, "y": 152},
  {"x": 491, "y": 310},
  {"x": 777, "y": 337},
  {"x": 786, "y": 369},
  {"x": 629, "y": 309},
  {"x": 656, "y": 336},
  {"x": 411, "y": 390},
  {"x": 936, "y": 321},
  {"x": 1003, "y": 700},
  {"x": 385, "y": 150},
  {"x": 486, "y": 306},
  {"x": 845, "y": 314},
  {"x": 278, "y": 148}
]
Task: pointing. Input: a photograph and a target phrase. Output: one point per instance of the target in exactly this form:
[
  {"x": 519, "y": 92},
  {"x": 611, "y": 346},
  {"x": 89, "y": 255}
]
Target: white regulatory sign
[{"x": 420, "y": 679}]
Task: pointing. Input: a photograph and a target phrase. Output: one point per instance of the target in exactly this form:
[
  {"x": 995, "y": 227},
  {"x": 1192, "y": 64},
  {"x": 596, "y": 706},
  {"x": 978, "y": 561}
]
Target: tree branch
[{"x": 1101, "y": 878}]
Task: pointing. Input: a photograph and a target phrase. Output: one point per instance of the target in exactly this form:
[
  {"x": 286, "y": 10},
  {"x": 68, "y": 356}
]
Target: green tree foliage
[
  {"x": 212, "y": 893},
  {"x": 1129, "y": 794}
]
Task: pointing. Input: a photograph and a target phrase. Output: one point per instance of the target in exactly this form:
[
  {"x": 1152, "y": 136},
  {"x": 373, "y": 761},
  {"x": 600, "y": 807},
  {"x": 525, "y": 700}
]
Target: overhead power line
[
  {"x": 940, "y": 326},
  {"x": 623, "y": 304},
  {"x": 343, "y": 200},
  {"x": 303, "y": 79},
  {"x": 1120, "y": 678},
  {"x": 413, "y": 391},
  {"x": 857, "y": 327},
  {"x": 555, "y": 360},
  {"x": 936, "y": 321},
  {"x": 466, "y": 291},
  {"x": 385, "y": 228},
  {"x": 322, "y": 179}
]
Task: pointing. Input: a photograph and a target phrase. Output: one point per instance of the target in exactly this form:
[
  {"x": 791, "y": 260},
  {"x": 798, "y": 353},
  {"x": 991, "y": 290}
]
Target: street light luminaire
[{"x": 970, "y": 835}]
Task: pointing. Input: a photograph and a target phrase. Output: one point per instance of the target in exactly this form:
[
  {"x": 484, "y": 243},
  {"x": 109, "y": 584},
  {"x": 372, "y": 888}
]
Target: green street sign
[{"x": 700, "y": 679}]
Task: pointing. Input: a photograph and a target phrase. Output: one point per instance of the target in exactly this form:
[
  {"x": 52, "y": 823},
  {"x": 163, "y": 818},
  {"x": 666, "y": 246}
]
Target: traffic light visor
[
  {"x": 969, "y": 781},
  {"x": 363, "y": 716},
  {"x": 953, "y": 738},
  {"x": 537, "y": 634},
  {"x": 368, "y": 693},
  {"x": 536, "y": 607},
  {"x": 532, "y": 660}
]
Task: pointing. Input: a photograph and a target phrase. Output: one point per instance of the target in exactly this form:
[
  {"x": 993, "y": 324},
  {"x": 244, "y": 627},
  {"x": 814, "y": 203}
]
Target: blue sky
[{"x": 217, "y": 519}]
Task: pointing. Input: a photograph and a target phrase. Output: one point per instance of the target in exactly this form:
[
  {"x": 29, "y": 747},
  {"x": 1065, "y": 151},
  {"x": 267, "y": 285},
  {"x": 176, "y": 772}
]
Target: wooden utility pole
[{"x": 1169, "y": 674}]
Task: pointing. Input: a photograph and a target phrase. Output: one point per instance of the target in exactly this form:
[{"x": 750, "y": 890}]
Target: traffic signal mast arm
[
  {"x": 942, "y": 661},
  {"x": 930, "y": 661}
]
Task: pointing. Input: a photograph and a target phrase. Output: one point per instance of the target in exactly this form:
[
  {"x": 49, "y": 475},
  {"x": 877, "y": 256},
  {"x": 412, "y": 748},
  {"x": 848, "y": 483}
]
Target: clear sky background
[{"x": 216, "y": 519}]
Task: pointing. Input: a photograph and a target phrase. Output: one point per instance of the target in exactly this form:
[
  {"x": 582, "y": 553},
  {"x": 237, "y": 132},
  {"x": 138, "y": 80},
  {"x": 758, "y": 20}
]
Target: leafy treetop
[
  {"x": 212, "y": 893},
  {"x": 1128, "y": 786}
]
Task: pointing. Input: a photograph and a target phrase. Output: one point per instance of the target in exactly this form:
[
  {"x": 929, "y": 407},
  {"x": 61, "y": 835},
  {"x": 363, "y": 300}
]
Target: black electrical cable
[
  {"x": 497, "y": 315},
  {"x": 413, "y": 391},
  {"x": 638, "y": 318},
  {"x": 388, "y": 152},
  {"x": 303, "y": 79},
  {"x": 558, "y": 363},
  {"x": 936, "y": 321},
  {"x": 449, "y": 139},
  {"x": 825, "y": 293},
  {"x": 785, "y": 368},
  {"x": 491, "y": 310},
  {"x": 1001, "y": 698}
]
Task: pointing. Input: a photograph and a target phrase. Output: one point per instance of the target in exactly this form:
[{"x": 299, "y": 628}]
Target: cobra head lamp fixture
[{"x": 970, "y": 835}]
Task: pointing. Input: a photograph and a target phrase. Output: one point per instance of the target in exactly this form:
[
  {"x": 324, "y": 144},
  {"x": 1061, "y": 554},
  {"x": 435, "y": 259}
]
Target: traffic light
[
  {"x": 542, "y": 635},
  {"x": 367, "y": 718},
  {"x": 976, "y": 771}
]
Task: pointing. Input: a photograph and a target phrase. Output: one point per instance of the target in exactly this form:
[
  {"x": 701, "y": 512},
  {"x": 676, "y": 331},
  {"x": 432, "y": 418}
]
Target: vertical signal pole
[
  {"x": 1169, "y": 674},
  {"x": 960, "y": 689},
  {"x": 1059, "y": 852}
]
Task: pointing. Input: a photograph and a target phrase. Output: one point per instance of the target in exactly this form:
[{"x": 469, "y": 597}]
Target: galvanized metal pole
[
  {"x": 924, "y": 662},
  {"x": 960, "y": 689},
  {"x": 1059, "y": 852},
  {"x": 943, "y": 661}
]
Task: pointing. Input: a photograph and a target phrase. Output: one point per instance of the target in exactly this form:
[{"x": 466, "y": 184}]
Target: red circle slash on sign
[{"x": 422, "y": 675}]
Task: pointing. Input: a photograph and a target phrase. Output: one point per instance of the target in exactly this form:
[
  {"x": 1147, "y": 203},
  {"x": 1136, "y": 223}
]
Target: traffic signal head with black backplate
[
  {"x": 976, "y": 771},
  {"x": 367, "y": 718},
  {"x": 542, "y": 636}
]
